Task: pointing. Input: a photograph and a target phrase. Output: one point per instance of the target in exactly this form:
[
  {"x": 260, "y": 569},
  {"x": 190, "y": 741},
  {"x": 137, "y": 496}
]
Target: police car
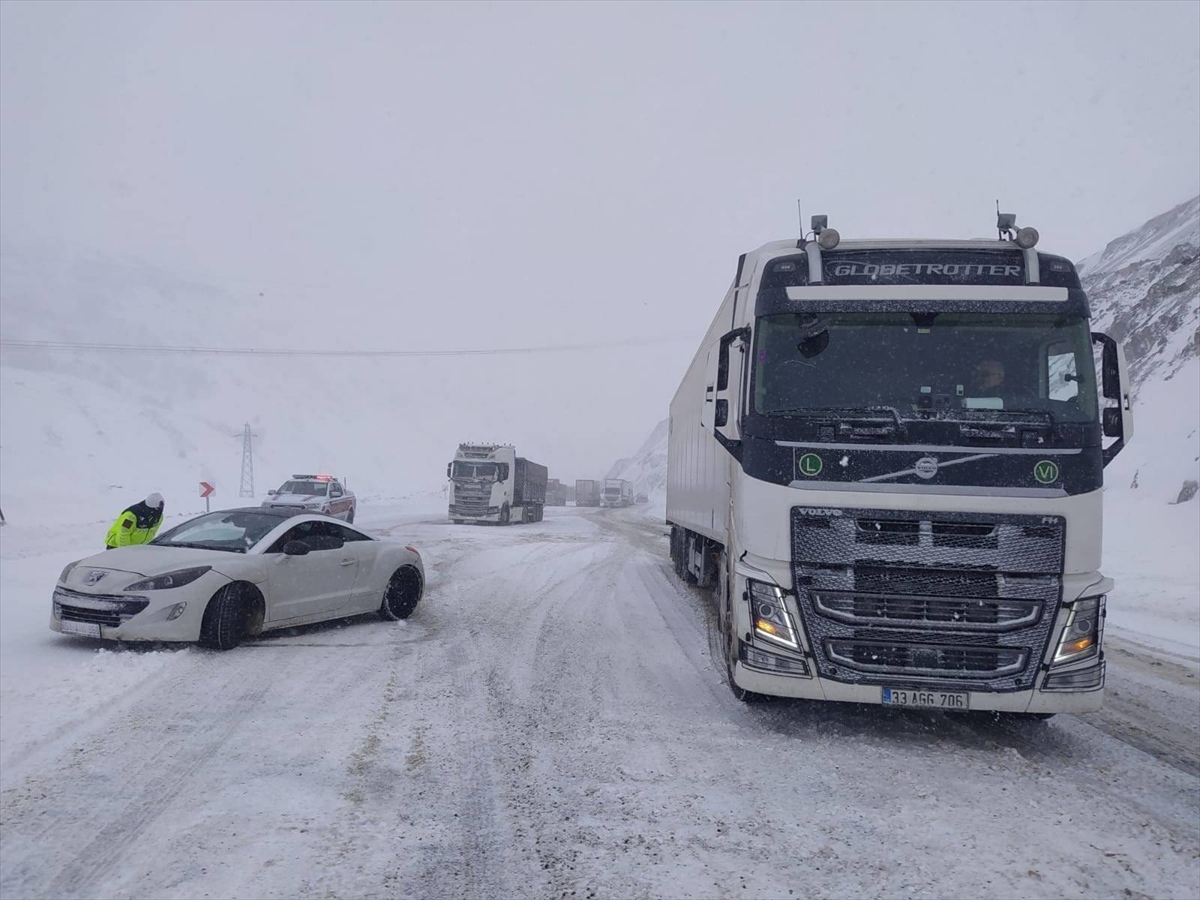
[{"x": 314, "y": 493}]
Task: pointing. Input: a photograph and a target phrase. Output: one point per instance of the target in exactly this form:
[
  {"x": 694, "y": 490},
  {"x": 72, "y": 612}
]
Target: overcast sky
[{"x": 462, "y": 175}]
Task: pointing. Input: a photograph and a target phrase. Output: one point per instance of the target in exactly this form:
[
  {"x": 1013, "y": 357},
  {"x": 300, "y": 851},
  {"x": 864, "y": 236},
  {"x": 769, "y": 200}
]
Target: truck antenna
[{"x": 800, "y": 214}]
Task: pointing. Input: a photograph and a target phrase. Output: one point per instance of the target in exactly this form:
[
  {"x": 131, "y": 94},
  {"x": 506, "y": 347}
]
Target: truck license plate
[
  {"x": 87, "y": 629},
  {"x": 924, "y": 699}
]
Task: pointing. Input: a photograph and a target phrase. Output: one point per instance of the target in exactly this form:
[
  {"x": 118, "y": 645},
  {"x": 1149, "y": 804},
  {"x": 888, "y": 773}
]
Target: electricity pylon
[{"x": 247, "y": 489}]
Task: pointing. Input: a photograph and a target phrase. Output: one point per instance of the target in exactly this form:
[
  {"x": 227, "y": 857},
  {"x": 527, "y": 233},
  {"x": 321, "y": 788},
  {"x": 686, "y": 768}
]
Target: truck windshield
[
  {"x": 474, "y": 470},
  {"x": 918, "y": 363},
  {"x": 307, "y": 488}
]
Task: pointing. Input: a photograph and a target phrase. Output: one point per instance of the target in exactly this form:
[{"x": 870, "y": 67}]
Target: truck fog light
[
  {"x": 1081, "y": 637},
  {"x": 176, "y": 611},
  {"x": 771, "y": 619},
  {"x": 770, "y": 662},
  {"x": 1089, "y": 679}
]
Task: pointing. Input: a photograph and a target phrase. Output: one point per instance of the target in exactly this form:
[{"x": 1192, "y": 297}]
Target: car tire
[
  {"x": 224, "y": 622},
  {"x": 402, "y": 594},
  {"x": 350, "y": 517}
]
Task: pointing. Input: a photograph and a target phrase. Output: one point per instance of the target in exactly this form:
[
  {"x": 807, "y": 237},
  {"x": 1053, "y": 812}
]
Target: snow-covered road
[{"x": 551, "y": 724}]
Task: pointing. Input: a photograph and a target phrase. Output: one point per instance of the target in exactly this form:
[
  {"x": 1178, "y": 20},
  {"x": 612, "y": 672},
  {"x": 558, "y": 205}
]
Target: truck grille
[
  {"x": 900, "y": 597},
  {"x": 471, "y": 498}
]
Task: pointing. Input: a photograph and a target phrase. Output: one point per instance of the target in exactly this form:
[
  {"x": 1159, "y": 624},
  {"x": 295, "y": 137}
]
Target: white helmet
[{"x": 155, "y": 500}]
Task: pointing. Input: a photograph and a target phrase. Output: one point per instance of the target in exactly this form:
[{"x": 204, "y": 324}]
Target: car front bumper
[{"x": 136, "y": 617}]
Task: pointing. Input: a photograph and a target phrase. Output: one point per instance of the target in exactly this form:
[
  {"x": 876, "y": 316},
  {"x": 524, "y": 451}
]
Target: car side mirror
[
  {"x": 272, "y": 492},
  {"x": 295, "y": 548}
]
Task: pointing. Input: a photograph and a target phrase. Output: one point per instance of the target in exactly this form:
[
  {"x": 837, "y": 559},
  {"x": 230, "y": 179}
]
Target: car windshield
[
  {"x": 235, "y": 532},
  {"x": 474, "y": 470},
  {"x": 307, "y": 488},
  {"x": 914, "y": 364}
]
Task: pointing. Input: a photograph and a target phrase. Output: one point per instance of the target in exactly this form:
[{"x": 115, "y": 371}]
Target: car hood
[{"x": 144, "y": 561}]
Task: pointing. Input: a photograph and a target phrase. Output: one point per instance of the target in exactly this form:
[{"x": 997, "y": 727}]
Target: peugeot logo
[
  {"x": 94, "y": 577},
  {"x": 926, "y": 467}
]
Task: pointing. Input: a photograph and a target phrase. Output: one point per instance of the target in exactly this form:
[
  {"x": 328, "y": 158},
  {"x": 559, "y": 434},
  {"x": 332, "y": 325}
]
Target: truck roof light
[
  {"x": 829, "y": 238},
  {"x": 1027, "y": 238}
]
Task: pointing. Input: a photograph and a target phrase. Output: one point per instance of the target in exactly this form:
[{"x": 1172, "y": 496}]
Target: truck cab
[
  {"x": 887, "y": 458},
  {"x": 490, "y": 483}
]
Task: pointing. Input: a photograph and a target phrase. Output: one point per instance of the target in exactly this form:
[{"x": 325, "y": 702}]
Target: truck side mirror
[
  {"x": 721, "y": 416},
  {"x": 1116, "y": 420},
  {"x": 1112, "y": 422},
  {"x": 449, "y": 467},
  {"x": 727, "y": 389}
]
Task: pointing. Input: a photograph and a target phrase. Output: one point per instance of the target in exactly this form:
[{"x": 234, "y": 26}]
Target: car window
[
  {"x": 349, "y": 535},
  {"x": 317, "y": 535}
]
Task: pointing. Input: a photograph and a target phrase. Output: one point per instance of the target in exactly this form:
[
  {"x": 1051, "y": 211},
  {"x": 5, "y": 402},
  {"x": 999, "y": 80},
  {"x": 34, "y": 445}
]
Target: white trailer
[
  {"x": 887, "y": 458},
  {"x": 490, "y": 483}
]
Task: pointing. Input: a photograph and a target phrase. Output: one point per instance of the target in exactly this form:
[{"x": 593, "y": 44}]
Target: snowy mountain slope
[
  {"x": 1145, "y": 291},
  {"x": 83, "y": 434},
  {"x": 647, "y": 468}
]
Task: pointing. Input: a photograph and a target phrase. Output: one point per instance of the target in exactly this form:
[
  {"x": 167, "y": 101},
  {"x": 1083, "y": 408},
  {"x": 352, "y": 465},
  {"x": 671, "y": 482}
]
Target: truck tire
[
  {"x": 505, "y": 514},
  {"x": 725, "y": 619},
  {"x": 458, "y": 521}
]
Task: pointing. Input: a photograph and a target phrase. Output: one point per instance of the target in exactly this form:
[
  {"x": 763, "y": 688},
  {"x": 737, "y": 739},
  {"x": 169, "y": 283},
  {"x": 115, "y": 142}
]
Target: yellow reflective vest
[{"x": 125, "y": 531}]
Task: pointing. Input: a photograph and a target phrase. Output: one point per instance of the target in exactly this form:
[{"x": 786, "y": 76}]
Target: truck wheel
[
  {"x": 224, "y": 621},
  {"x": 728, "y": 627},
  {"x": 458, "y": 521},
  {"x": 505, "y": 514}
]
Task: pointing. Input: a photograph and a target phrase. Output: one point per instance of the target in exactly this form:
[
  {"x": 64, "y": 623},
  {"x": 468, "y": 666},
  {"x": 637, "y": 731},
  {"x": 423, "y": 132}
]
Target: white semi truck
[
  {"x": 490, "y": 483},
  {"x": 617, "y": 492},
  {"x": 887, "y": 459}
]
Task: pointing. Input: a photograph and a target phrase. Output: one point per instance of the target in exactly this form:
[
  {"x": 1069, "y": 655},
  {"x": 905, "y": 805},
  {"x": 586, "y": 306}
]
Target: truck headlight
[
  {"x": 169, "y": 580},
  {"x": 770, "y": 616},
  {"x": 1081, "y": 637}
]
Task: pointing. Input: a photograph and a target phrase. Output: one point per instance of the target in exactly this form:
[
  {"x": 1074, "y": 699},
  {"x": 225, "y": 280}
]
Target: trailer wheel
[{"x": 458, "y": 521}]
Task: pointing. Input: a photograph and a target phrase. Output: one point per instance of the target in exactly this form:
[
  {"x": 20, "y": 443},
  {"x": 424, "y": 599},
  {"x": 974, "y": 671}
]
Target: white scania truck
[
  {"x": 887, "y": 459},
  {"x": 490, "y": 483},
  {"x": 617, "y": 493}
]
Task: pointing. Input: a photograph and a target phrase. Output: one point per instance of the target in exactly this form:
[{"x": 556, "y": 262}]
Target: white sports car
[{"x": 225, "y": 575}]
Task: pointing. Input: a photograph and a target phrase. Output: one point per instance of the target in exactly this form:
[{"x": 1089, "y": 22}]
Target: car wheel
[
  {"x": 729, "y": 636},
  {"x": 350, "y": 517},
  {"x": 402, "y": 594},
  {"x": 224, "y": 622},
  {"x": 505, "y": 514}
]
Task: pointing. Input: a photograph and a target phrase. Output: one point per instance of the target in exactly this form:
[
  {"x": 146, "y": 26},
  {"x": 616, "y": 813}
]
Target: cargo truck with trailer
[
  {"x": 617, "y": 493},
  {"x": 886, "y": 458},
  {"x": 490, "y": 483}
]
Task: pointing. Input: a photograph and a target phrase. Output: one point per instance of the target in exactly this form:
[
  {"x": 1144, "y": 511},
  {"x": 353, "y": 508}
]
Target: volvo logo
[
  {"x": 816, "y": 511},
  {"x": 926, "y": 467},
  {"x": 94, "y": 577}
]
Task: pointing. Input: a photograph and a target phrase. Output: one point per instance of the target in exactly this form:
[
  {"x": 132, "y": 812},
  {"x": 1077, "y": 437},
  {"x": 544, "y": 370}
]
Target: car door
[
  {"x": 317, "y": 583},
  {"x": 339, "y": 504},
  {"x": 369, "y": 582}
]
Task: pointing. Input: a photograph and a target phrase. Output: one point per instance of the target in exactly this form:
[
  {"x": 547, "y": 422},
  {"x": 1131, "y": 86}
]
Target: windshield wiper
[
  {"x": 192, "y": 546},
  {"x": 849, "y": 429}
]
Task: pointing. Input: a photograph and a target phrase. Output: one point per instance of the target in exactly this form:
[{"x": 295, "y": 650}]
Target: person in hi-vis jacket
[{"x": 137, "y": 524}]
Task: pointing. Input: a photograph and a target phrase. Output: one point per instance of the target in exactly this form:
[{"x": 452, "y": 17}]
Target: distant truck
[
  {"x": 587, "y": 492},
  {"x": 617, "y": 492},
  {"x": 643, "y": 498},
  {"x": 490, "y": 483},
  {"x": 556, "y": 493},
  {"x": 314, "y": 493}
]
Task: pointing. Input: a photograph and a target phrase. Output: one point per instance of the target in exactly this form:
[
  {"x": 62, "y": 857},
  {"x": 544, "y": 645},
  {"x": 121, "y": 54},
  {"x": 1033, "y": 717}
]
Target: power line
[{"x": 70, "y": 346}]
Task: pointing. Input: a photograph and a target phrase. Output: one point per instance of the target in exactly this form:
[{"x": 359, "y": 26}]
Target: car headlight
[
  {"x": 169, "y": 580},
  {"x": 62, "y": 579},
  {"x": 770, "y": 616},
  {"x": 1081, "y": 637}
]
